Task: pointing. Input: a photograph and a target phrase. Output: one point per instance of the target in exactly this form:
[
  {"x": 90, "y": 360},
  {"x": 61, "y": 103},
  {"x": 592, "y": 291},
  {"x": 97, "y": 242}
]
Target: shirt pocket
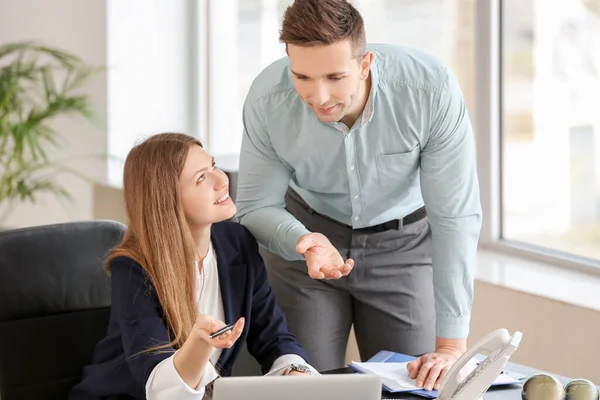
[{"x": 397, "y": 167}]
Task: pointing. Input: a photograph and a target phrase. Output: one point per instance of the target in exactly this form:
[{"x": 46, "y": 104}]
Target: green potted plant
[{"x": 37, "y": 85}]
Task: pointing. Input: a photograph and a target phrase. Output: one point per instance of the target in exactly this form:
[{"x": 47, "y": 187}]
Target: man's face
[{"x": 328, "y": 78}]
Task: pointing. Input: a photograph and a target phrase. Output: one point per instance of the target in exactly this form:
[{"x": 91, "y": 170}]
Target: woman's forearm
[{"x": 191, "y": 359}]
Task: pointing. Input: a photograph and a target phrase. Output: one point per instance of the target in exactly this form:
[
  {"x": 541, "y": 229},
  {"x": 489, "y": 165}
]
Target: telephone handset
[{"x": 500, "y": 345}]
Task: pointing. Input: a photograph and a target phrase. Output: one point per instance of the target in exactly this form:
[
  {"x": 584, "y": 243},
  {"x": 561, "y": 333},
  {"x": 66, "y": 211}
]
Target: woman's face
[{"x": 204, "y": 190}]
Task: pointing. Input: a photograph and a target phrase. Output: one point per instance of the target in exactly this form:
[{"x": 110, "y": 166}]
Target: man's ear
[{"x": 365, "y": 64}]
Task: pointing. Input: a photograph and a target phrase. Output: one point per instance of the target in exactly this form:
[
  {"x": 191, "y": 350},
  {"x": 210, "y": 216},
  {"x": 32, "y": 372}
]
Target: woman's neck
[{"x": 201, "y": 237}]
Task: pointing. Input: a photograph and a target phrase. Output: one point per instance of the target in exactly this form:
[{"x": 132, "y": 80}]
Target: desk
[{"x": 512, "y": 392}]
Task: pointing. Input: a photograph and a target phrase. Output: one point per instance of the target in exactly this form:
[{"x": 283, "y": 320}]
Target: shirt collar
[{"x": 367, "y": 114}]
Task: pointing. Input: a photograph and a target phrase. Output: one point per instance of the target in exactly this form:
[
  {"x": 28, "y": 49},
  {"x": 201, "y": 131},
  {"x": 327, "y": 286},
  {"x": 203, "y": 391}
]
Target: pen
[{"x": 222, "y": 330}]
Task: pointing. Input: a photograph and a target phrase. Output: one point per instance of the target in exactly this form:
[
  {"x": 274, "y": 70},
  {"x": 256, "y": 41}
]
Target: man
[{"x": 344, "y": 148}]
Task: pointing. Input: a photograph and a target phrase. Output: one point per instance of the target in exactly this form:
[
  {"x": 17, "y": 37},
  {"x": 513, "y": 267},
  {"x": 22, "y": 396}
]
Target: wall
[
  {"x": 557, "y": 337},
  {"x": 79, "y": 27},
  {"x": 109, "y": 203}
]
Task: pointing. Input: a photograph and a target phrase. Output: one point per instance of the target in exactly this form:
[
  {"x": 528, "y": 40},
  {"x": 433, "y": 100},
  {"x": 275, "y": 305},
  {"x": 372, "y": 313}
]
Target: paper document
[{"x": 395, "y": 377}]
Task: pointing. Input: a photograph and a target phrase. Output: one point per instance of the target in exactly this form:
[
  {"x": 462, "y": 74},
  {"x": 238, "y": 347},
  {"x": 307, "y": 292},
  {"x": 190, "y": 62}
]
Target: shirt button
[
  {"x": 352, "y": 168},
  {"x": 356, "y": 218},
  {"x": 356, "y": 196}
]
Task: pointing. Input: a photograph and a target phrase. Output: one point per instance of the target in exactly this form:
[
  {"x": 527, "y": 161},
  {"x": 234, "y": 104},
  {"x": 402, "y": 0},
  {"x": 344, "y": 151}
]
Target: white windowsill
[{"x": 538, "y": 278}]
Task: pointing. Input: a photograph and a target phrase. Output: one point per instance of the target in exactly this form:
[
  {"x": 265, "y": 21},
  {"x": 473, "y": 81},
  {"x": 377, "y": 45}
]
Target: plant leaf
[{"x": 37, "y": 85}]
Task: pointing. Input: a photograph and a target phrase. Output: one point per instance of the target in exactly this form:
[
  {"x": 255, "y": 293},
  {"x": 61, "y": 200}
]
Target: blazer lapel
[{"x": 232, "y": 280}]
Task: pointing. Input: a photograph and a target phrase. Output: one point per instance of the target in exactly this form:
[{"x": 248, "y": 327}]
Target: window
[
  {"x": 551, "y": 125},
  {"x": 149, "y": 73},
  {"x": 444, "y": 28},
  {"x": 243, "y": 38}
]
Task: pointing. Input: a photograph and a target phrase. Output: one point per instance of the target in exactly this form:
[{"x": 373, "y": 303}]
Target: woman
[{"x": 178, "y": 275}]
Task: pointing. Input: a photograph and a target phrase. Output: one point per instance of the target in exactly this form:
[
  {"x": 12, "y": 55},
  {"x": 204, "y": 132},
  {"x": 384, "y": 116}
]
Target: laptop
[{"x": 330, "y": 387}]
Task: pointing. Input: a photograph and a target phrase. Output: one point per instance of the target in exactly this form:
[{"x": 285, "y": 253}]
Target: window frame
[{"x": 488, "y": 127}]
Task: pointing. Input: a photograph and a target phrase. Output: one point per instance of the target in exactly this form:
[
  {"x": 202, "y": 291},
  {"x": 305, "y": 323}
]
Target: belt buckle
[{"x": 386, "y": 226}]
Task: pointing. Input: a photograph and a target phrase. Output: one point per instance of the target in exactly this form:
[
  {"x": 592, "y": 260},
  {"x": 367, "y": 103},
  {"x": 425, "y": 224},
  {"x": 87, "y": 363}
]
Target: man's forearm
[{"x": 275, "y": 229}]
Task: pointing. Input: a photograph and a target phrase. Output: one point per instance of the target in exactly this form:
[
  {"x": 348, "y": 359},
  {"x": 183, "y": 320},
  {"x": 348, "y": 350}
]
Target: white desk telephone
[{"x": 499, "y": 345}]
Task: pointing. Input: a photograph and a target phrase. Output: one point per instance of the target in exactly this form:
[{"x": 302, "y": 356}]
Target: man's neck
[{"x": 361, "y": 101}]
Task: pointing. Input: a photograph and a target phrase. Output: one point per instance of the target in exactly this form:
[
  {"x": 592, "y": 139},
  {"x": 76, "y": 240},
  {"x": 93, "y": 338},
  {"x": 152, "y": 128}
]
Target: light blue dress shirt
[{"x": 411, "y": 146}]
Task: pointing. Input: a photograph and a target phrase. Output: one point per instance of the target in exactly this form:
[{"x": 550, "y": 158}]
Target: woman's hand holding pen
[
  {"x": 192, "y": 358},
  {"x": 206, "y": 326},
  {"x": 322, "y": 258}
]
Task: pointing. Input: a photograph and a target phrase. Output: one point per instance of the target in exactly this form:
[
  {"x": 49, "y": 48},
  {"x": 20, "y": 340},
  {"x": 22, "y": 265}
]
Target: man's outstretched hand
[{"x": 322, "y": 258}]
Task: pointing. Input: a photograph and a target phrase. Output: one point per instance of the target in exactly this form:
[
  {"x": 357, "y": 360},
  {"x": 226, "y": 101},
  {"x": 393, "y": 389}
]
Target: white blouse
[{"x": 164, "y": 381}]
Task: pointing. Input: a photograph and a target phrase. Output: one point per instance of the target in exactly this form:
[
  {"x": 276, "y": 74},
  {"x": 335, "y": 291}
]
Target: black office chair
[{"x": 54, "y": 305}]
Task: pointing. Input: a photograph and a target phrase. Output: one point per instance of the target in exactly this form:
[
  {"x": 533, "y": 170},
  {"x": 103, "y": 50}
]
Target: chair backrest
[{"x": 54, "y": 305}]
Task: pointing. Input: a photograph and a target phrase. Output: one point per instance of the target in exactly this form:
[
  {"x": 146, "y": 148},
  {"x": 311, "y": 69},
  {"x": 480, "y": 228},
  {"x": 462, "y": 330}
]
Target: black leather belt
[{"x": 415, "y": 216}]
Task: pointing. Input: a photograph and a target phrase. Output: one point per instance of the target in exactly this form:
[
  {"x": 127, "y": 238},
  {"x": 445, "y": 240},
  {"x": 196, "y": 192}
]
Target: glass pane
[{"x": 551, "y": 124}]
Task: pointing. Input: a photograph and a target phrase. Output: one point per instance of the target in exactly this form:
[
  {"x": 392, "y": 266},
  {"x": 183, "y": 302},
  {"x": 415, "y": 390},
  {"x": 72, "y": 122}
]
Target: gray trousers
[{"x": 388, "y": 296}]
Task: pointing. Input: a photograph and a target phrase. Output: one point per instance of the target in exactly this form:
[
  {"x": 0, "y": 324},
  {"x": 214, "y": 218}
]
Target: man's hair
[{"x": 323, "y": 22}]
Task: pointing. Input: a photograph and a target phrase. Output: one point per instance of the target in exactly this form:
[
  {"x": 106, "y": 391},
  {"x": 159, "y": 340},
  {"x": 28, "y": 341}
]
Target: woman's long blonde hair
[{"x": 158, "y": 236}]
